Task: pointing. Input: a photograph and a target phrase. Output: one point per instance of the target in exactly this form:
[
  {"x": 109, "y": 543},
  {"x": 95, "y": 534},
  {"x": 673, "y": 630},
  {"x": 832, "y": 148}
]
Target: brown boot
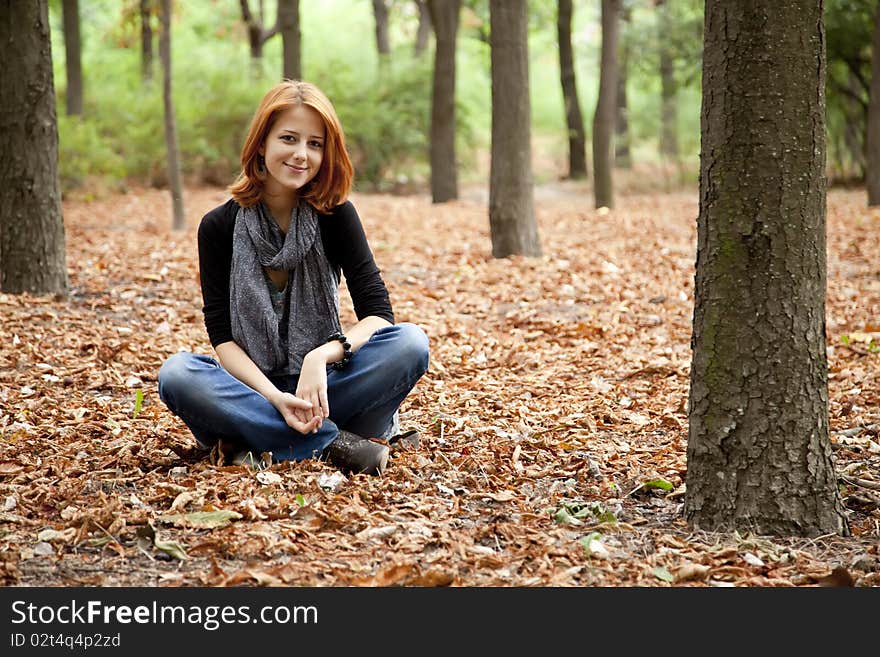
[{"x": 353, "y": 454}]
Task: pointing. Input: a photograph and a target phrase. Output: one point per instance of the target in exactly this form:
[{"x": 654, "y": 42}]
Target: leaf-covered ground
[{"x": 553, "y": 415}]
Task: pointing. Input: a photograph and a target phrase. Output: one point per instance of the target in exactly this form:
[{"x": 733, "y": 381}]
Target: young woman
[{"x": 287, "y": 380}]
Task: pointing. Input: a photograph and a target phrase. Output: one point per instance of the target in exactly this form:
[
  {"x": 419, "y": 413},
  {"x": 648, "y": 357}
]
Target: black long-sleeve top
[{"x": 345, "y": 246}]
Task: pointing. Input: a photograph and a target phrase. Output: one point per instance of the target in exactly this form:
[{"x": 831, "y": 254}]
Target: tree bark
[
  {"x": 291, "y": 38},
  {"x": 872, "y": 173},
  {"x": 424, "y": 30},
  {"x": 759, "y": 454},
  {"x": 146, "y": 40},
  {"x": 444, "y": 170},
  {"x": 31, "y": 223},
  {"x": 577, "y": 141},
  {"x": 622, "y": 156},
  {"x": 668, "y": 87},
  {"x": 73, "y": 57},
  {"x": 380, "y": 14},
  {"x": 174, "y": 178},
  {"x": 603, "y": 119},
  {"x": 511, "y": 206}
]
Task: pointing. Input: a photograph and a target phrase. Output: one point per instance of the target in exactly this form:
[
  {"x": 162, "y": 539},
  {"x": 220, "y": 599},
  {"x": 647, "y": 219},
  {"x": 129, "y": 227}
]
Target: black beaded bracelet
[{"x": 346, "y": 350}]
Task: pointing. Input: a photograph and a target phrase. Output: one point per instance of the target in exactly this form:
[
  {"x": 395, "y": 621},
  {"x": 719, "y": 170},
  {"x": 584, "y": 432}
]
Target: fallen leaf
[{"x": 202, "y": 519}]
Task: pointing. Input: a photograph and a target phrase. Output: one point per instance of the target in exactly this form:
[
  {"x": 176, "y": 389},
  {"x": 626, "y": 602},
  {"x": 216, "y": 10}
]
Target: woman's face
[{"x": 293, "y": 150}]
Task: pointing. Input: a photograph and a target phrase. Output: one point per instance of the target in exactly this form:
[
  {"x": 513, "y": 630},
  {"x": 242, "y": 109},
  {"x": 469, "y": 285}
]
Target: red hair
[{"x": 331, "y": 185}]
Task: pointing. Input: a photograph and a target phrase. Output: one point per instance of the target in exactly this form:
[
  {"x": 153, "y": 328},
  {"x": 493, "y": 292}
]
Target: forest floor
[{"x": 553, "y": 416}]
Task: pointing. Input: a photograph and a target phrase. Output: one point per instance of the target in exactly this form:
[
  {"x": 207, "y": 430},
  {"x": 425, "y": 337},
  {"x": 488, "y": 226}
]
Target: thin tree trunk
[
  {"x": 668, "y": 88},
  {"x": 855, "y": 127},
  {"x": 577, "y": 142},
  {"x": 146, "y": 40},
  {"x": 603, "y": 120},
  {"x": 288, "y": 21},
  {"x": 872, "y": 173},
  {"x": 31, "y": 224},
  {"x": 257, "y": 32},
  {"x": 759, "y": 454},
  {"x": 424, "y": 31},
  {"x": 511, "y": 198},
  {"x": 622, "y": 156},
  {"x": 444, "y": 171},
  {"x": 174, "y": 177},
  {"x": 380, "y": 13},
  {"x": 73, "y": 57}
]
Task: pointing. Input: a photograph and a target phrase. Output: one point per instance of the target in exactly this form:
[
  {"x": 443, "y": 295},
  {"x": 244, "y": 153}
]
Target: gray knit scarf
[{"x": 311, "y": 294}]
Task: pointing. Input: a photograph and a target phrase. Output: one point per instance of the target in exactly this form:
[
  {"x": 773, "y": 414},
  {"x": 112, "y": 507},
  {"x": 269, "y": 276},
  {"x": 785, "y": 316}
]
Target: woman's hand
[
  {"x": 312, "y": 386},
  {"x": 296, "y": 412}
]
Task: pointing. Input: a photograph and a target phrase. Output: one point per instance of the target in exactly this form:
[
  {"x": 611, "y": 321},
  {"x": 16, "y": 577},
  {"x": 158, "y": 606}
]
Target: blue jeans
[{"x": 363, "y": 397}]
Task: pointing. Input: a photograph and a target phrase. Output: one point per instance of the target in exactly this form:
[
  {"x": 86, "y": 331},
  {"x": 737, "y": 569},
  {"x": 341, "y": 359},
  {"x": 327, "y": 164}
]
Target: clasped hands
[{"x": 306, "y": 409}]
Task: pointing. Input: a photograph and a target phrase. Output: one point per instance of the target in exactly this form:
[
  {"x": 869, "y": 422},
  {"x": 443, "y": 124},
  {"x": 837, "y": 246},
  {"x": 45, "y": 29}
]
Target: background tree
[
  {"x": 288, "y": 21},
  {"x": 444, "y": 169},
  {"x": 759, "y": 455},
  {"x": 258, "y": 33},
  {"x": 73, "y": 57},
  {"x": 577, "y": 141},
  {"x": 873, "y": 124},
  {"x": 424, "y": 30},
  {"x": 511, "y": 206},
  {"x": 622, "y": 156},
  {"x": 668, "y": 85},
  {"x": 146, "y": 12},
  {"x": 380, "y": 16},
  {"x": 603, "y": 119},
  {"x": 31, "y": 223},
  {"x": 174, "y": 178}
]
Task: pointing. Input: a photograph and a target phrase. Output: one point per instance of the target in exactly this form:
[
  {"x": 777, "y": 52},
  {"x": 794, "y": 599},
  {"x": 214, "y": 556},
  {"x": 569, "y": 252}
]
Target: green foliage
[
  {"x": 385, "y": 109},
  {"x": 138, "y": 402},
  {"x": 83, "y": 152},
  {"x": 386, "y": 121},
  {"x": 848, "y": 31}
]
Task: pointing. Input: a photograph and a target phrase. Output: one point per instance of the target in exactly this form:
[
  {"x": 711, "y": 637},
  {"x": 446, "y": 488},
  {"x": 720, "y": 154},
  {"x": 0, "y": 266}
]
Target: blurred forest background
[{"x": 385, "y": 101}]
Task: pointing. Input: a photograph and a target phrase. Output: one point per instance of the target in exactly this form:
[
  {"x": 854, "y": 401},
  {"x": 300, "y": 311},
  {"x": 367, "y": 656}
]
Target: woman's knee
[
  {"x": 413, "y": 346},
  {"x": 177, "y": 373}
]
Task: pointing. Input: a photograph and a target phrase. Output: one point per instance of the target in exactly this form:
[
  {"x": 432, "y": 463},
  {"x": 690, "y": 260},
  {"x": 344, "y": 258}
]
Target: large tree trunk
[
  {"x": 511, "y": 199},
  {"x": 668, "y": 87},
  {"x": 622, "y": 156},
  {"x": 577, "y": 142},
  {"x": 288, "y": 21},
  {"x": 31, "y": 223},
  {"x": 146, "y": 40},
  {"x": 603, "y": 120},
  {"x": 444, "y": 172},
  {"x": 380, "y": 14},
  {"x": 174, "y": 177},
  {"x": 872, "y": 173},
  {"x": 759, "y": 455},
  {"x": 424, "y": 30},
  {"x": 73, "y": 57}
]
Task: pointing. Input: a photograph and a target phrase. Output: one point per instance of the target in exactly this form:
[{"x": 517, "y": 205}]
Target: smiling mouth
[{"x": 296, "y": 168}]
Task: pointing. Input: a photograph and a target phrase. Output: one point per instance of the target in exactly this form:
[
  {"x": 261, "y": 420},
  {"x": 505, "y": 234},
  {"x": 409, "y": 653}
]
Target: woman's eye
[{"x": 316, "y": 144}]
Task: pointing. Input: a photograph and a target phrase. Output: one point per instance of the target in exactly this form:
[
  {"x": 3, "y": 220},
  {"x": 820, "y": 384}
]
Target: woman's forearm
[
  {"x": 235, "y": 361},
  {"x": 357, "y": 336}
]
